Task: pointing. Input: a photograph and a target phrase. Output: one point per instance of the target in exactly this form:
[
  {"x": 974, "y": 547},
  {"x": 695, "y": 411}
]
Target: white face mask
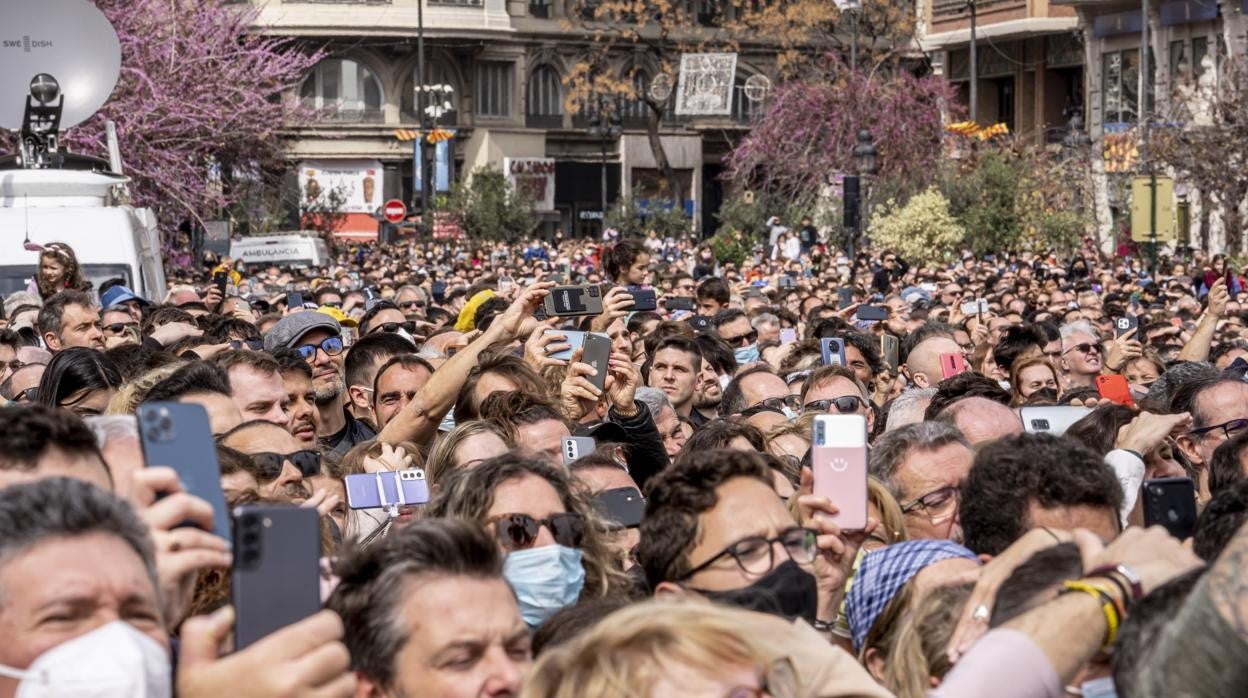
[{"x": 112, "y": 661}]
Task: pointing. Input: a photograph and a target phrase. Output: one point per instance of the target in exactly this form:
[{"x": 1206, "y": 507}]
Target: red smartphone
[
  {"x": 839, "y": 462},
  {"x": 1115, "y": 389},
  {"x": 951, "y": 365}
]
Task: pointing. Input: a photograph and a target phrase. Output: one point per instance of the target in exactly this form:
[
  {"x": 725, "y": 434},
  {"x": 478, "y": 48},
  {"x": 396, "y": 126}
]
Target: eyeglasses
[
  {"x": 1230, "y": 428},
  {"x": 756, "y": 555},
  {"x": 741, "y": 340},
  {"x": 686, "y": 287},
  {"x": 936, "y": 505},
  {"x": 332, "y": 346},
  {"x": 117, "y": 328},
  {"x": 773, "y": 404},
  {"x": 844, "y": 405},
  {"x": 392, "y": 327},
  {"x": 27, "y": 395},
  {"x": 270, "y": 465},
  {"x": 519, "y": 531},
  {"x": 13, "y": 365},
  {"x": 1083, "y": 348},
  {"x": 411, "y": 305}
]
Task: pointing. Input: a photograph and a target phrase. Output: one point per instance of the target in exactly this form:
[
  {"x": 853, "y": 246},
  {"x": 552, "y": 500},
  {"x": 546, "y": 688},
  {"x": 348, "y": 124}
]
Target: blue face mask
[
  {"x": 746, "y": 355},
  {"x": 545, "y": 580}
]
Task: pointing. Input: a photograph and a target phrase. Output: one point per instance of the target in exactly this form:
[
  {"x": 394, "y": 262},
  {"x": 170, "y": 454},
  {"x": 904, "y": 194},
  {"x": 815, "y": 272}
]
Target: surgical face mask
[
  {"x": 746, "y": 355},
  {"x": 112, "y": 661},
  {"x": 724, "y": 380},
  {"x": 545, "y": 580},
  {"x": 788, "y": 412},
  {"x": 788, "y": 591},
  {"x": 448, "y": 422},
  {"x": 1005, "y": 385}
]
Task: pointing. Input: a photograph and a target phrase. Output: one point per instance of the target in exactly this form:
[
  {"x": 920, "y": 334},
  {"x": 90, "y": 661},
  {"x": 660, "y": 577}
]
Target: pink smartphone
[
  {"x": 951, "y": 365},
  {"x": 839, "y": 456}
]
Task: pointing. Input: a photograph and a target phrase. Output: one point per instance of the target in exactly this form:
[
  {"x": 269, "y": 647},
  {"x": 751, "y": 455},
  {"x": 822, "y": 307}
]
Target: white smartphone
[
  {"x": 839, "y": 459},
  {"x": 788, "y": 335}
]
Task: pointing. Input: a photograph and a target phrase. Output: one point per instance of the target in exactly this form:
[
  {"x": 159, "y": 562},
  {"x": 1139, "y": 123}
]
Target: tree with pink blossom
[
  {"x": 201, "y": 94},
  {"x": 810, "y": 128}
]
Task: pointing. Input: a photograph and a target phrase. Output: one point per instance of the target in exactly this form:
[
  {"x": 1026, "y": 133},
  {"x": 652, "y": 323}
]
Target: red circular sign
[{"x": 394, "y": 210}]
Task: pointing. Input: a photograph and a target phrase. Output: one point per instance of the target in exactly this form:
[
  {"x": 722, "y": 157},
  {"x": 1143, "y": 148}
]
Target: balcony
[{"x": 347, "y": 116}]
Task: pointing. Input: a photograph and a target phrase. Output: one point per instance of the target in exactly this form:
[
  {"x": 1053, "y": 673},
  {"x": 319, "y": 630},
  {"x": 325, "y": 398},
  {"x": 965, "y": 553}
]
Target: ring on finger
[{"x": 981, "y": 613}]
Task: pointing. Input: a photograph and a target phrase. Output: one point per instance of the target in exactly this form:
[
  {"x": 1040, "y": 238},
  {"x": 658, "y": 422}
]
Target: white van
[
  {"x": 299, "y": 249},
  {"x": 79, "y": 208}
]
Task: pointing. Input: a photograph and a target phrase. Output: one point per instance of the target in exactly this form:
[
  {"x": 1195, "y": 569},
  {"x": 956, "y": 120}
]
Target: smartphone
[
  {"x": 1170, "y": 502},
  {"x": 844, "y": 297},
  {"x": 978, "y": 306},
  {"x": 873, "y": 313},
  {"x": 787, "y": 281},
  {"x": 178, "y": 435},
  {"x": 951, "y": 365},
  {"x": 574, "y": 338},
  {"x": 377, "y": 490},
  {"x": 890, "y": 348},
  {"x": 221, "y": 279},
  {"x": 1115, "y": 389},
  {"x": 294, "y": 300},
  {"x": 833, "y": 351},
  {"x": 622, "y": 506},
  {"x": 643, "y": 298},
  {"x": 597, "y": 353},
  {"x": 576, "y": 448},
  {"x": 839, "y": 463},
  {"x": 678, "y": 303},
  {"x": 1051, "y": 420},
  {"x": 788, "y": 335},
  {"x": 700, "y": 323},
  {"x": 505, "y": 284},
  {"x": 276, "y": 580},
  {"x": 568, "y": 301},
  {"x": 1125, "y": 324}
]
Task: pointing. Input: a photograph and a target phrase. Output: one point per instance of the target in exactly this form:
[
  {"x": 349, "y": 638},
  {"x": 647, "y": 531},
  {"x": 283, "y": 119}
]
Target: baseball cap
[
  {"x": 290, "y": 329},
  {"x": 342, "y": 318},
  {"x": 117, "y": 295}
]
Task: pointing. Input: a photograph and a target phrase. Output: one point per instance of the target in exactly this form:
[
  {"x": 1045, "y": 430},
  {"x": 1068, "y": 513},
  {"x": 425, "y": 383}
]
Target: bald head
[
  {"x": 980, "y": 419},
  {"x": 923, "y": 362}
]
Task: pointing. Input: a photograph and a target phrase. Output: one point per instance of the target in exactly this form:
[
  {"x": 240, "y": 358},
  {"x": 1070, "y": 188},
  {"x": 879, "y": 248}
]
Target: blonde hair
[
  {"x": 1024, "y": 362},
  {"x": 132, "y": 393},
  {"x": 892, "y": 520},
  {"x": 919, "y": 648},
  {"x": 626, "y": 654},
  {"x": 442, "y": 456}
]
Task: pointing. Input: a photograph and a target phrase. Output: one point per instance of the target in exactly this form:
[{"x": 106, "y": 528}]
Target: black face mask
[{"x": 787, "y": 591}]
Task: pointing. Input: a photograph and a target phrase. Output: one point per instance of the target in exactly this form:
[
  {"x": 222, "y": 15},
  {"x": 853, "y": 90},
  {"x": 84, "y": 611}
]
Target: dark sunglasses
[
  {"x": 307, "y": 462},
  {"x": 27, "y": 395},
  {"x": 392, "y": 327},
  {"x": 1084, "y": 348},
  {"x": 331, "y": 346},
  {"x": 119, "y": 327},
  {"x": 844, "y": 405},
  {"x": 743, "y": 339},
  {"x": 411, "y": 305},
  {"x": 519, "y": 531},
  {"x": 773, "y": 404}
]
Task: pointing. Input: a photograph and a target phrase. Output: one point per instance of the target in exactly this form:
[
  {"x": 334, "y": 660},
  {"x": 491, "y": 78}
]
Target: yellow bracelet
[{"x": 1108, "y": 606}]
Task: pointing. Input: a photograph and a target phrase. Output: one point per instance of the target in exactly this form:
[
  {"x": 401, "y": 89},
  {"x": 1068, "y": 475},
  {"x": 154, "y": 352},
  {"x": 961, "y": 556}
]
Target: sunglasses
[
  {"x": 27, "y": 395},
  {"x": 411, "y": 305},
  {"x": 332, "y": 346},
  {"x": 392, "y": 327},
  {"x": 269, "y": 465},
  {"x": 120, "y": 327},
  {"x": 519, "y": 531},
  {"x": 773, "y": 404},
  {"x": 1084, "y": 348},
  {"x": 742, "y": 340},
  {"x": 843, "y": 405}
]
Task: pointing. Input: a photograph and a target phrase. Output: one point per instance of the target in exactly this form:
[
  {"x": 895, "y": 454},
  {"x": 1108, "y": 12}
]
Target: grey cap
[
  {"x": 17, "y": 299},
  {"x": 293, "y": 327}
]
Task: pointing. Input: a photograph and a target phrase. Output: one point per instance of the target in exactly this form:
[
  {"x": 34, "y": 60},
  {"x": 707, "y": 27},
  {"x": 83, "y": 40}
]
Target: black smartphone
[
  {"x": 875, "y": 313},
  {"x": 568, "y": 301},
  {"x": 678, "y": 303},
  {"x": 1170, "y": 502},
  {"x": 1125, "y": 324},
  {"x": 844, "y": 298},
  {"x": 890, "y": 347},
  {"x": 221, "y": 279},
  {"x": 277, "y": 579},
  {"x": 597, "y": 354},
  {"x": 700, "y": 323},
  {"x": 294, "y": 300},
  {"x": 178, "y": 435},
  {"x": 623, "y": 506},
  {"x": 643, "y": 299}
]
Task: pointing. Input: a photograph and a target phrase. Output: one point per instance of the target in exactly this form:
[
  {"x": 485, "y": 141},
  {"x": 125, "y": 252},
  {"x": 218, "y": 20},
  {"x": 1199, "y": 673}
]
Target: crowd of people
[{"x": 1000, "y": 557}]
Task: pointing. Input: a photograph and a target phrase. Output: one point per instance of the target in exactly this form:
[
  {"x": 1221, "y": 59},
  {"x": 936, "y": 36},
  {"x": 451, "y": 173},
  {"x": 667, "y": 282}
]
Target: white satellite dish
[{"x": 69, "y": 40}]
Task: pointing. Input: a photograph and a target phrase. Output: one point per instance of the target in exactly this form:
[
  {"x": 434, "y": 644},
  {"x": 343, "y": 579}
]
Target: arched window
[
  {"x": 544, "y": 106},
  {"x": 636, "y": 111},
  {"x": 742, "y": 108},
  {"x": 347, "y": 90}
]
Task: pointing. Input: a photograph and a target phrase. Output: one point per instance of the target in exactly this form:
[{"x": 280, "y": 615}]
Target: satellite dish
[{"x": 69, "y": 40}]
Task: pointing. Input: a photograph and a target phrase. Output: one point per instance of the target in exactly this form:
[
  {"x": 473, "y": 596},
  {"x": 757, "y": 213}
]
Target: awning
[
  {"x": 1000, "y": 30},
  {"x": 350, "y": 236},
  {"x": 355, "y": 223}
]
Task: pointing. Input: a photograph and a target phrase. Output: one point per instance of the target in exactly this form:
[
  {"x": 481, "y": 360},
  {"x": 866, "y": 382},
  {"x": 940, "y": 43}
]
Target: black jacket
[{"x": 646, "y": 455}]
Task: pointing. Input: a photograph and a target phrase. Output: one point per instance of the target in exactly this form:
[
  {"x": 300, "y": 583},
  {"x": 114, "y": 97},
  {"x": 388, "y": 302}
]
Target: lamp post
[
  {"x": 866, "y": 158},
  {"x": 606, "y": 126},
  {"x": 422, "y": 151},
  {"x": 1076, "y": 142}
]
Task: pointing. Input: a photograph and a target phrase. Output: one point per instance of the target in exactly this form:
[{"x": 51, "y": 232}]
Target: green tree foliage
[
  {"x": 982, "y": 195},
  {"x": 629, "y": 217},
  {"x": 922, "y": 230},
  {"x": 749, "y": 213},
  {"x": 486, "y": 208}
]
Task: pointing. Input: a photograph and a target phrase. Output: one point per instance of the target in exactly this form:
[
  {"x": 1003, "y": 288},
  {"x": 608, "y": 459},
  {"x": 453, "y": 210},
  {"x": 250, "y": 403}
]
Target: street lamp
[
  {"x": 866, "y": 161},
  {"x": 606, "y": 126}
]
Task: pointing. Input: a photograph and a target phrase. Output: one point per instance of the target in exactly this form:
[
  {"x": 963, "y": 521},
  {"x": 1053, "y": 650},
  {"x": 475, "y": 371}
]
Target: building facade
[{"x": 496, "y": 68}]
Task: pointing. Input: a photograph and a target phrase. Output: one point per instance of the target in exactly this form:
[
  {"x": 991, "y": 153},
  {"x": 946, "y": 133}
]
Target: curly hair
[
  {"x": 1011, "y": 474},
  {"x": 469, "y": 494}
]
